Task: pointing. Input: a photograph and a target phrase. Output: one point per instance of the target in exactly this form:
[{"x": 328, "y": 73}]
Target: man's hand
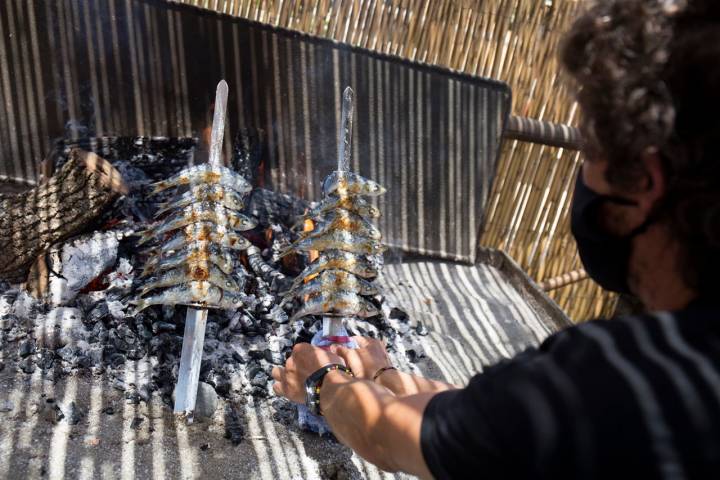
[
  {"x": 370, "y": 356},
  {"x": 366, "y": 360},
  {"x": 367, "y": 417},
  {"x": 304, "y": 361}
]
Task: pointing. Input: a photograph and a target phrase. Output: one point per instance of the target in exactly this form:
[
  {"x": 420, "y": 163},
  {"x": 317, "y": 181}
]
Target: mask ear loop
[
  {"x": 642, "y": 228},
  {"x": 649, "y": 220}
]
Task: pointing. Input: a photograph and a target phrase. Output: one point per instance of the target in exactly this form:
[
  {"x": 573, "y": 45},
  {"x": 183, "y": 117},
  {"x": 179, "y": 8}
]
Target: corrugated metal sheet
[{"x": 477, "y": 314}]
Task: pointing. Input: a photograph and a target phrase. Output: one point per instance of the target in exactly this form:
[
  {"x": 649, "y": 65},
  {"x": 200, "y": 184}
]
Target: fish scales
[
  {"x": 352, "y": 203},
  {"x": 201, "y": 231},
  {"x": 341, "y": 303},
  {"x": 205, "y": 212},
  {"x": 226, "y": 197},
  {"x": 338, "y": 240},
  {"x": 332, "y": 280},
  {"x": 343, "y": 183},
  {"x": 336, "y": 259},
  {"x": 341, "y": 219},
  {"x": 197, "y": 252},
  {"x": 195, "y": 293},
  {"x": 192, "y": 272},
  {"x": 205, "y": 174}
]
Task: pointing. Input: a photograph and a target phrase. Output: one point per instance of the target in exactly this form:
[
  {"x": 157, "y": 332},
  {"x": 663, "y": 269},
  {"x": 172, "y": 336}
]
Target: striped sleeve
[
  {"x": 635, "y": 397},
  {"x": 499, "y": 426}
]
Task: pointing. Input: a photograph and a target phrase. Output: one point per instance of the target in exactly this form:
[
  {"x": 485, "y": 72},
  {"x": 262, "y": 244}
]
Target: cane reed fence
[{"x": 515, "y": 41}]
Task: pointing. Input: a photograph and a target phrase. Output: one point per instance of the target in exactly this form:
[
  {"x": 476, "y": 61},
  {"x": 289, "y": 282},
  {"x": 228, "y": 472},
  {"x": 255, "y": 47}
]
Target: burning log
[{"x": 63, "y": 206}]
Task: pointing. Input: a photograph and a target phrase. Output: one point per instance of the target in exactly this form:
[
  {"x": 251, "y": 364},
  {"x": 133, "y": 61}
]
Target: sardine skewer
[
  {"x": 201, "y": 231},
  {"x": 204, "y": 173},
  {"x": 339, "y": 303},
  {"x": 196, "y": 320},
  {"x": 350, "y": 262},
  {"x": 204, "y": 193},
  {"x": 346, "y": 130},
  {"x": 330, "y": 281},
  {"x": 337, "y": 240},
  {"x": 192, "y": 272},
  {"x": 197, "y": 293},
  {"x": 341, "y": 219}
]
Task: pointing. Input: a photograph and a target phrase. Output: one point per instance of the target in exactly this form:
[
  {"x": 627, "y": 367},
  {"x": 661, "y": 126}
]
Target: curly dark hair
[{"x": 648, "y": 76}]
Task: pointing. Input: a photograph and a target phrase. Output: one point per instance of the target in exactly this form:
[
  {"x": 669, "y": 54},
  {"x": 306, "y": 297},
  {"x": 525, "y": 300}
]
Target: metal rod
[
  {"x": 543, "y": 133},
  {"x": 346, "y": 130},
  {"x": 333, "y": 326},
  {"x": 190, "y": 360},
  {"x": 563, "y": 280},
  {"x": 218, "y": 126},
  {"x": 195, "y": 319}
]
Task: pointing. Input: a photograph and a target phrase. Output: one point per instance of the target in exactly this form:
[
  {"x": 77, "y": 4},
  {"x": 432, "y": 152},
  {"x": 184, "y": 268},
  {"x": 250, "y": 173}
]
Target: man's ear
[{"x": 653, "y": 188}]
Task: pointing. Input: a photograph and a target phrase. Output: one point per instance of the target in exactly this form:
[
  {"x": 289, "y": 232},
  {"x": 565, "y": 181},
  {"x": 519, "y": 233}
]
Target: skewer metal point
[{"x": 346, "y": 130}]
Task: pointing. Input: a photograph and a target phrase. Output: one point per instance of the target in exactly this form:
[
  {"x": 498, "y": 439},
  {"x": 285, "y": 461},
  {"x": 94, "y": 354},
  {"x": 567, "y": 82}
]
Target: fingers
[
  {"x": 362, "y": 342},
  {"x": 342, "y": 352},
  {"x": 366, "y": 342},
  {"x": 278, "y": 389},
  {"x": 301, "y": 347},
  {"x": 278, "y": 374},
  {"x": 339, "y": 350}
]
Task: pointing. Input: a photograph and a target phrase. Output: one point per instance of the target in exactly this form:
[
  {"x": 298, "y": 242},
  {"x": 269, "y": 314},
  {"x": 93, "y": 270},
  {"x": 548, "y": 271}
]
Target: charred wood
[
  {"x": 63, "y": 206},
  {"x": 271, "y": 207},
  {"x": 157, "y": 157},
  {"x": 262, "y": 269},
  {"x": 247, "y": 154}
]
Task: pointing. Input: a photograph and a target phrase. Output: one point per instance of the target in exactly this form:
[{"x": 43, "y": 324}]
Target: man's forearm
[
  {"x": 379, "y": 426},
  {"x": 402, "y": 384}
]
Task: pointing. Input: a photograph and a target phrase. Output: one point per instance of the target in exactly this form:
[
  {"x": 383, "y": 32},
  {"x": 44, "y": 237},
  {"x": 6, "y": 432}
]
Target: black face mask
[{"x": 606, "y": 257}]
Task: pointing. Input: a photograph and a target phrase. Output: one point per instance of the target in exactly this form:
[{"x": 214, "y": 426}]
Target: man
[{"x": 634, "y": 397}]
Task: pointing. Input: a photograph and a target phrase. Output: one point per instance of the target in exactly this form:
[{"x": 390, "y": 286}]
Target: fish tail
[
  {"x": 285, "y": 253},
  {"x": 146, "y": 289},
  {"x": 148, "y": 270},
  {"x": 145, "y": 236},
  {"x": 290, "y": 290},
  {"x": 139, "y": 305},
  {"x": 300, "y": 223},
  {"x": 163, "y": 208},
  {"x": 297, "y": 315},
  {"x": 159, "y": 187}
]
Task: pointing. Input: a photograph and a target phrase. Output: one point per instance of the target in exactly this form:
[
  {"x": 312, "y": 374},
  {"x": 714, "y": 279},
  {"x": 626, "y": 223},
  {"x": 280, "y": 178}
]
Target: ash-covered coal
[{"x": 88, "y": 324}]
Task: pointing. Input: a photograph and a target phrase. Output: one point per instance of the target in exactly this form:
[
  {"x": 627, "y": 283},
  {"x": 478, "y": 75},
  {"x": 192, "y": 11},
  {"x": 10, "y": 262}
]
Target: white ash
[
  {"x": 25, "y": 306},
  {"x": 59, "y": 327},
  {"x": 116, "y": 309},
  {"x": 79, "y": 262},
  {"x": 122, "y": 277},
  {"x": 6, "y": 303}
]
